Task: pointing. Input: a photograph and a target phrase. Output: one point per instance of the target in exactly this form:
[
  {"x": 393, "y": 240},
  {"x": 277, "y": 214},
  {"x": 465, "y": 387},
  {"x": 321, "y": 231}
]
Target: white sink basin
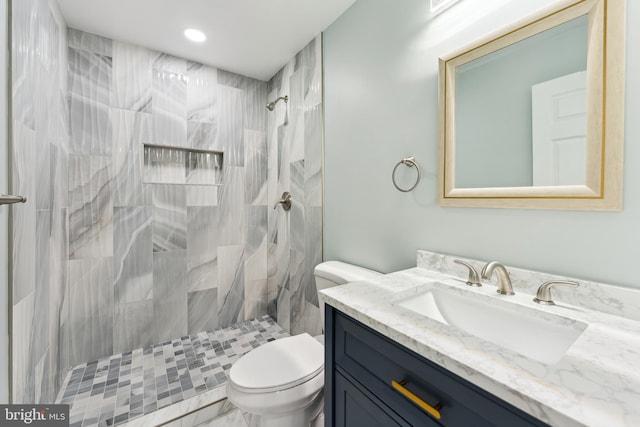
[{"x": 533, "y": 333}]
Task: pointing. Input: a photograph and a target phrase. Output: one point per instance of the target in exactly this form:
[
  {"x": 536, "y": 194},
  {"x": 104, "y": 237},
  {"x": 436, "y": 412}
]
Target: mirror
[
  {"x": 495, "y": 113},
  {"x": 532, "y": 116}
]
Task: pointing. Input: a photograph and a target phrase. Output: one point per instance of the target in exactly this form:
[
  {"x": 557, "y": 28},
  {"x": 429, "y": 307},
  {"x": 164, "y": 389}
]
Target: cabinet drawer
[
  {"x": 355, "y": 408},
  {"x": 374, "y": 361}
]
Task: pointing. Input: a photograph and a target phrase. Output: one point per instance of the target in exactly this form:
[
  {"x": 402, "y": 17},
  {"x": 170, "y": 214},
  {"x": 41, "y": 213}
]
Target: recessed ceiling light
[{"x": 195, "y": 35}]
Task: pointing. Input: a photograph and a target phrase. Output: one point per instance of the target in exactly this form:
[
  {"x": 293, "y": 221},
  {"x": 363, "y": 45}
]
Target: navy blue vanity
[{"x": 367, "y": 373}]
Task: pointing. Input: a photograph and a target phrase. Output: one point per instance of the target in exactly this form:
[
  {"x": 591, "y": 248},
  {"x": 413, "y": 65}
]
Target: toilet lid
[{"x": 278, "y": 365}]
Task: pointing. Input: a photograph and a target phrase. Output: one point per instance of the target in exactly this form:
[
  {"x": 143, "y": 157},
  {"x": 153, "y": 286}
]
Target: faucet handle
[
  {"x": 473, "y": 279},
  {"x": 543, "y": 296},
  {"x": 285, "y": 201}
]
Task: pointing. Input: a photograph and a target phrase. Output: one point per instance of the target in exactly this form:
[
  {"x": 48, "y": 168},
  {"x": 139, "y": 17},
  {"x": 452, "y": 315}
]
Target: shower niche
[{"x": 163, "y": 164}]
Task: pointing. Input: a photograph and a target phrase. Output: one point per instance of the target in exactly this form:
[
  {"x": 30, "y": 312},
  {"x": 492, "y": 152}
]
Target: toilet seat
[{"x": 278, "y": 365}]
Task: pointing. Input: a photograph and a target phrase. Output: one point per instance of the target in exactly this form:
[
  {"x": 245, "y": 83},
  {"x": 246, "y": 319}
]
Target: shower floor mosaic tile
[{"x": 116, "y": 389}]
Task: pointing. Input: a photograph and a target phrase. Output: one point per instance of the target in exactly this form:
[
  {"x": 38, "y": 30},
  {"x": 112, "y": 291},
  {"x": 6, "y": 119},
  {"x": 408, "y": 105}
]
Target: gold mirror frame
[{"x": 605, "y": 114}]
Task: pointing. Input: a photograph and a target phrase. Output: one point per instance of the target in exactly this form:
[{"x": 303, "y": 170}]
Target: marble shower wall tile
[
  {"x": 297, "y": 273},
  {"x": 132, "y": 81},
  {"x": 42, "y": 287},
  {"x": 169, "y": 218},
  {"x": 231, "y": 284},
  {"x": 230, "y": 131},
  {"x": 255, "y": 167},
  {"x": 308, "y": 60},
  {"x": 295, "y": 110},
  {"x": 90, "y": 77},
  {"x": 283, "y": 304},
  {"x": 90, "y": 207},
  {"x": 272, "y": 175},
  {"x": 131, "y": 129},
  {"x": 169, "y": 104},
  {"x": 231, "y": 207},
  {"x": 272, "y": 280},
  {"x": 297, "y": 292},
  {"x": 255, "y": 298},
  {"x": 203, "y": 135},
  {"x": 313, "y": 95},
  {"x": 202, "y": 248},
  {"x": 201, "y": 93},
  {"x": 91, "y": 309},
  {"x": 171, "y": 64},
  {"x": 133, "y": 326},
  {"x": 133, "y": 254},
  {"x": 255, "y": 97},
  {"x": 169, "y": 295},
  {"x": 297, "y": 212},
  {"x": 202, "y": 310},
  {"x": 24, "y": 214},
  {"x": 88, "y": 42},
  {"x": 284, "y": 158},
  {"x": 43, "y": 173},
  {"x": 49, "y": 44},
  {"x": 58, "y": 295},
  {"x": 24, "y": 27},
  {"x": 294, "y": 150},
  {"x": 313, "y": 156},
  {"x": 256, "y": 283},
  {"x": 202, "y": 195},
  {"x": 256, "y": 242},
  {"x": 283, "y": 249},
  {"x": 39, "y": 353},
  {"x": 312, "y": 251},
  {"x": 40, "y": 376},
  {"x": 59, "y": 177},
  {"x": 21, "y": 369}
]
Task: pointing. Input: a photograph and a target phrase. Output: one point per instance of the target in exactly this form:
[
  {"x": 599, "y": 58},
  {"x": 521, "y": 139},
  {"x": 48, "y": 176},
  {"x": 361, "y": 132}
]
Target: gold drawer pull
[{"x": 432, "y": 410}]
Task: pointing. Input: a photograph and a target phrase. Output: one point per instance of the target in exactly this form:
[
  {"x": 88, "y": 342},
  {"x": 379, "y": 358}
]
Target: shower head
[{"x": 272, "y": 105}]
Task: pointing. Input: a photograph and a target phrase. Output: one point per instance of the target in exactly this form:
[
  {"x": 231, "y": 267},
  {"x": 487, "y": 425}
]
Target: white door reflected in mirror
[{"x": 559, "y": 119}]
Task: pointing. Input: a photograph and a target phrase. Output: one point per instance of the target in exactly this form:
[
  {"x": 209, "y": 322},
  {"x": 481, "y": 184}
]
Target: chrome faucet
[{"x": 504, "y": 282}]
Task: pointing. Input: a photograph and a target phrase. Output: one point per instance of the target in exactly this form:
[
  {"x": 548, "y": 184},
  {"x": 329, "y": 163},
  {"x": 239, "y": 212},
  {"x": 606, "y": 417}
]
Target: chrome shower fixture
[{"x": 272, "y": 105}]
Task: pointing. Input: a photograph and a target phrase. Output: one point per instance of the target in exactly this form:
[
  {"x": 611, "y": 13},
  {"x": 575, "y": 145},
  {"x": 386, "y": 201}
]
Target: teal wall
[{"x": 381, "y": 104}]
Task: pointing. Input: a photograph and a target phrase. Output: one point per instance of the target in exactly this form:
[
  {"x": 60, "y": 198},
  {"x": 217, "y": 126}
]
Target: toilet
[{"x": 280, "y": 383}]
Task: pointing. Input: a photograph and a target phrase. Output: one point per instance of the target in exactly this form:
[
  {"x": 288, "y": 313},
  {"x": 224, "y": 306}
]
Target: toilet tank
[{"x": 334, "y": 273}]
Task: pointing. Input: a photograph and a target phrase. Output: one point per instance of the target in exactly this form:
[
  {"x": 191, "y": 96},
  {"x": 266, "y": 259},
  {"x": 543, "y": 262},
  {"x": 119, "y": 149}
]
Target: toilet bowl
[{"x": 280, "y": 383}]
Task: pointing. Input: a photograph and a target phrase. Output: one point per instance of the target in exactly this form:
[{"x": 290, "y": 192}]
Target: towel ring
[{"x": 410, "y": 162}]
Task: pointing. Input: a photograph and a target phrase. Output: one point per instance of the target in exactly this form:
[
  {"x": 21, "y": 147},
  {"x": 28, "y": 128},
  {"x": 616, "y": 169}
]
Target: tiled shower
[{"x": 103, "y": 262}]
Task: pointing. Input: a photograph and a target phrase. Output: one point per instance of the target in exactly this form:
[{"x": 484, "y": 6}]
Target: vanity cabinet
[{"x": 365, "y": 371}]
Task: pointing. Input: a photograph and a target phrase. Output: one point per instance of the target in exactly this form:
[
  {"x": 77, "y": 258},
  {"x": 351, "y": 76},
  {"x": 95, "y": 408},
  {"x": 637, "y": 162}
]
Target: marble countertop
[{"x": 595, "y": 383}]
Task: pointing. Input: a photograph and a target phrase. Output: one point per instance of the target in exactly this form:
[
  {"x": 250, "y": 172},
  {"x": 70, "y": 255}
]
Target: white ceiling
[{"x": 254, "y": 38}]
